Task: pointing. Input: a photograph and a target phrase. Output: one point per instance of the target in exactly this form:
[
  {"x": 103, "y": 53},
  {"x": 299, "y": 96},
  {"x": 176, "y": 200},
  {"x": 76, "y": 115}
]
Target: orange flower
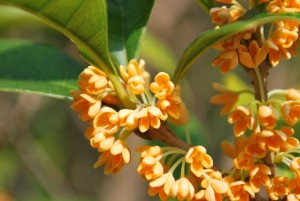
[
  {"x": 294, "y": 190},
  {"x": 226, "y": 61},
  {"x": 292, "y": 94},
  {"x": 259, "y": 175},
  {"x": 136, "y": 85},
  {"x": 243, "y": 161},
  {"x": 240, "y": 191},
  {"x": 93, "y": 80},
  {"x": 102, "y": 140},
  {"x": 284, "y": 6},
  {"x": 252, "y": 56},
  {"x": 291, "y": 112},
  {"x": 162, "y": 186},
  {"x": 214, "y": 186},
  {"x": 277, "y": 140},
  {"x": 226, "y": 97},
  {"x": 229, "y": 44},
  {"x": 233, "y": 150},
  {"x": 149, "y": 116},
  {"x": 87, "y": 105},
  {"x": 267, "y": 116},
  {"x": 115, "y": 158},
  {"x": 134, "y": 69},
  {"x": 278, "y": 188},
  {"x": 220, "y": 15},
  {"x": 199, "y": 159},
  {"x": 243, "y": 118},
  {"x": 295, "y": 166},
  {"x": 153, "y": 151},
  {"x": 182, "y": 189},
  {"x": 171, "y": 105},
  {"x": 107, "y": 119},
  {"x": 150, "y": 168},
  {"x": 162, "y": 86},
  {"x": 286, "y": 33},
  {"x": 253, "y": 148}
]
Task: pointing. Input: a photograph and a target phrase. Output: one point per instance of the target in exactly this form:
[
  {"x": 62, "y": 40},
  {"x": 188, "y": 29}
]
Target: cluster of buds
[
  {"x": 263, "y": 145},
  {"x": 199, "y": 182},
  {"x": 110, "y": 124},
  {"x": 258, "y": 134},
  {"x": 250, "y": 48}
]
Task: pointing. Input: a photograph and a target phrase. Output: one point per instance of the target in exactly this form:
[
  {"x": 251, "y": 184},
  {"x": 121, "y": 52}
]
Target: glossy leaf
[
  {"x": 206, "y": 4},
  {"x": 207, "y": 39},
  {"x": 126, "y": 23},
  {"x": 32, "y": 68},
  {"x": 83, "y": 21}
]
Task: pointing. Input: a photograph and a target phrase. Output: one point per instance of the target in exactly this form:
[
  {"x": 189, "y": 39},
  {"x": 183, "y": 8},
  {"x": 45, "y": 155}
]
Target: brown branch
[{"x": 163, "y": 134}]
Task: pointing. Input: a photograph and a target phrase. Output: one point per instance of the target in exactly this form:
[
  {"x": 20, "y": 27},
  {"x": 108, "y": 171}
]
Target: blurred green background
[{"x": 43, "y": 153}]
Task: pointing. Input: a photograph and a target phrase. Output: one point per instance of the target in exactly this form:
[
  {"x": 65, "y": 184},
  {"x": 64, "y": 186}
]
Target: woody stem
[{"x": 163, "y": 134}]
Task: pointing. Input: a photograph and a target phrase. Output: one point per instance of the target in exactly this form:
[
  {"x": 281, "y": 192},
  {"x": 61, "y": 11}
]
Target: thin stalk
[{"x": 260, "y": 83}]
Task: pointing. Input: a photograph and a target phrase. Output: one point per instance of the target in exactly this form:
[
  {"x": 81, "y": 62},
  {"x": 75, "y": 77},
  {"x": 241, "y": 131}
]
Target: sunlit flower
[
  {"x": 291, "y": 112},
  {"x": 134, "y": 69},
  {"x": 243, "y": 161},
  {"x": 253, "y": 148},
  {"x": 115, "y": 158},
  {"x": 198, "y": 160},
  {"x": 239, "y": 190},
  {"x": 292, "y": 94},
  {"x": 277, "y": 140},
  {"x": 136, "y": 85},
  {"x": 107, "y": 119},
  {"x": 93, "y": 80},
  {"x": 242, "y": 118},
  {"x": 267, "y": 116},
  {"x": 149, "y": 116},
  {"x": 102, "y": 140},
  {"x": 162, "y": 186},
  {"x": 214, "y": 186},
  {"x": 171, "y": 105},
  {"x": 259, "y": 175},
  {"x": 220, "y": 15},
  {"x": 162, "y": 86},
  {"x": 182, "y": 189},
  {"x": 278, "y": 188},
  {"x": 295, "y": 166},
  {"x": 294, "y": 189},
  {"x": 226, "y": 97},
  {"x": 150, "y": 168},
  {"x": 87, "y": 105}
]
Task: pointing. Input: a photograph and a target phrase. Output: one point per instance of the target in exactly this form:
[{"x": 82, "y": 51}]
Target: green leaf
[
  {"x": 126, "y": 23},
  {"x": 206, "y": 4},
  {"x": 206, "y": 40},
  {"x": 38, "y": 69},
  {"x": 83, "y": 21}
]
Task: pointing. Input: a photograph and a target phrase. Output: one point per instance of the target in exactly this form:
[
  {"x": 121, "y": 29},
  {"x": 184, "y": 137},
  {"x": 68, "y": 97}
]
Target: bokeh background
[{"x": 43, "y": 153}]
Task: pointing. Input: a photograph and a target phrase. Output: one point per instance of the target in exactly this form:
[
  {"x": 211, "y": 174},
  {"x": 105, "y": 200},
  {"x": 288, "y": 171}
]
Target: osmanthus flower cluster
[
  {"x": 246, "y": 48},
  {"x": 263, "y": 128},
  {"x": 111, "y": 125}
]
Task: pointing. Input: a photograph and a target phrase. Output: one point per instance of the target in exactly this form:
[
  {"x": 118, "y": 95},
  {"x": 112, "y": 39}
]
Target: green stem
[{"x": 261, "y": 86}]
